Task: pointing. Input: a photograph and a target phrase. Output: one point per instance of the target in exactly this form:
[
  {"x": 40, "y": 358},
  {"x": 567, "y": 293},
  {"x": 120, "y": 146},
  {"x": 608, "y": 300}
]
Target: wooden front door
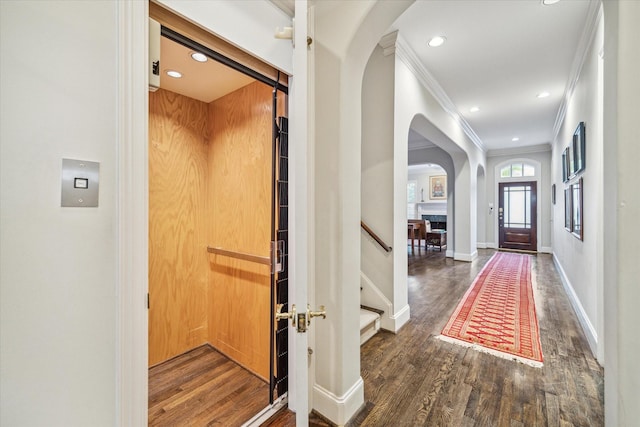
[{"x": 517, "y": 219}]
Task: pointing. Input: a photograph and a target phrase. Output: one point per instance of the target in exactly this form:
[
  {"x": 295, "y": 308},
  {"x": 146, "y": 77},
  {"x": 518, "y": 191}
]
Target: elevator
[{"x": 218, "y": 197}]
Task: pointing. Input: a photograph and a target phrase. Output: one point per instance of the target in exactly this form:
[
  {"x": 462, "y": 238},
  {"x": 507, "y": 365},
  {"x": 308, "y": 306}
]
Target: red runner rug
[{"x": 497, "y": 315}]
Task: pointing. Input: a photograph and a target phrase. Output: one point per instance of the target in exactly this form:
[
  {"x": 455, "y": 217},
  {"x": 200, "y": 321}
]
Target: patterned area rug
[{"x": 497, "y": 315}]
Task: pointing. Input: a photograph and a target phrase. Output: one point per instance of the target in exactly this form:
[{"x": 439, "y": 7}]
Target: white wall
[
  {"x": 581, "y": 263},
  {"x": 543, "y": 178},
  {"x": 418, "y": 109},
  {"x": 345, "y": 35},
  {"x": 377, "y": 176},
  {"x": 58, "y": 266},
  {"x": 629, "y": 211},
  {"x": 622, "y": 210},
  {"x": 483, "y": 208},
  {"x": 428, "y": 206}
]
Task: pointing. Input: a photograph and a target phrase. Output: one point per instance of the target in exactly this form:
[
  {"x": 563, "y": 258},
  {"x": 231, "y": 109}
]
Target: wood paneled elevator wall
[
  {"x": 210, "y": 184},
  {"x": 178, "y": 273}
]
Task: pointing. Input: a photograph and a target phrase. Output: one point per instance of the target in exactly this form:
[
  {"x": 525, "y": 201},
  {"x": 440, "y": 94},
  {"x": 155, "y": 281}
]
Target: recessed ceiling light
[
  {"x": 174, "y": 74},
  {"x": 549, "y": 2},
  {"x": 515, "y": 138},
  {"x": 437, "y": 41},
  {"x": 200, "y": 57},
  {"x": 474, "y": 109},
  {"x": 543, "y": 94}
]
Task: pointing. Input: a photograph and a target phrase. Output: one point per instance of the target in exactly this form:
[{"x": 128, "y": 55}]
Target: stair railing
[{"x": 375, "y": 237}]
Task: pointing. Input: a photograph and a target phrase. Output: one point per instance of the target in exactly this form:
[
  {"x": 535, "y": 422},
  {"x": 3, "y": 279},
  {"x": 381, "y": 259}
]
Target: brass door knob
[
  {"x": 287, "y": 314},
  {"x": 320, "y": 313}
]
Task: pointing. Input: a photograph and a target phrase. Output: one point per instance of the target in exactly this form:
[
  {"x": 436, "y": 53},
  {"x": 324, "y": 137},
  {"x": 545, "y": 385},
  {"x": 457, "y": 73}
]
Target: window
[
  {"x": 412, "y": 187},
  {"x": 517, "y": 170},
  {"x": 412, "y": 198},
  {"x": 529, "y": 170},
  {"x": 517, "y": 207}
]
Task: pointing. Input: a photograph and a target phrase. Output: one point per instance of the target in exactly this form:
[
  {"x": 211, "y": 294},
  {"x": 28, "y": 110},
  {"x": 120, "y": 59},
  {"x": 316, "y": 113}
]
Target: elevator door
[{"x": 280, "y": 280}]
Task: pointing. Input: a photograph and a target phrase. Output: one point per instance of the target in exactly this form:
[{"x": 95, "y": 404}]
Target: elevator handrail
[
  {"x": 375, "y": 237},
  {"x": 240, "y": 255}
]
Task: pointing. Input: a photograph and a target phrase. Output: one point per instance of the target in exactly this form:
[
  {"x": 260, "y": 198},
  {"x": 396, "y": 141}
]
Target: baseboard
[
  {"x": 399, "y": 319},
  {"x": 458, "y": 256},
  {"x": 546, "y": 250},
  {"x": 449, "y": 253},
  {"x": 267, "y": 412},
  {"x": 587, "y": 327},
  {"x": 338, "y": 409},
  {"x": 491, "y": 245},
  {"x": 481, "y": 245}
]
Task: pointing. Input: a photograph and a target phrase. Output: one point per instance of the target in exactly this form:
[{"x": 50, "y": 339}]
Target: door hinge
[{"x": 148, "y": 302}]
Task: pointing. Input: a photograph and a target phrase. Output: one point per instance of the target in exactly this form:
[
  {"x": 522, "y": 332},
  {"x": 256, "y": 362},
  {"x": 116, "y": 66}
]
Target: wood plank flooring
[
  {"x": 204, "y": 388},
  {"x": 413, "y": 379}
]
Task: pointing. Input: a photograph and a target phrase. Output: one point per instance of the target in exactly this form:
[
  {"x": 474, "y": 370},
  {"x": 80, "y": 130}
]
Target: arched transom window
[{"x": 517, "y": 169}]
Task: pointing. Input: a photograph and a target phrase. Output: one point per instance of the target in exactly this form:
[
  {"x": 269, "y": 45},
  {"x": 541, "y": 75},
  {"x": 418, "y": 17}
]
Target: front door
[{"x": 517, "y": 219}]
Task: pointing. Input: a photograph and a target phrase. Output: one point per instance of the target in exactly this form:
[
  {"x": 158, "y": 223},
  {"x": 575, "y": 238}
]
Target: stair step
[
  {"x": 375, "y": 310},
  {"x": 369, "y": 325},
  {"x": 367, "y": 317}
]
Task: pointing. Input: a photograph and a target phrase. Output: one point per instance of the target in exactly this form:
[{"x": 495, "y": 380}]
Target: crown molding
[
  {"x": 516, "y": 151},
  {"x": 287, "y": 6},
  {"x": 419, "y": 145},
  {"x": 411, "y": 60},
  {"x": 388, "y": 43},
  {"x": 594, "y": 15}
]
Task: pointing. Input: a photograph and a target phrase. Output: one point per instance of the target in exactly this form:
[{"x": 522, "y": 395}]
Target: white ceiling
[
  {"x": 204, "y": 81},
  {"x": 499, "y": 55},
  {"x": 426, "y": 169}
]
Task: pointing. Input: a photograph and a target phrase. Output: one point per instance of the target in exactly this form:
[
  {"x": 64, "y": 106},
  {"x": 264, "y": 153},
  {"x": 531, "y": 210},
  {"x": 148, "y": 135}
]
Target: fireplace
[{"x": 438, "y": 222}]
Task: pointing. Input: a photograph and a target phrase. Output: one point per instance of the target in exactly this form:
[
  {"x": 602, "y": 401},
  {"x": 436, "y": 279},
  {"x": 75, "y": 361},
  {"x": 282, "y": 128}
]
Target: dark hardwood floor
[
  {"x": 204, "y": 388},
  {"x": 414, "y": 379}
]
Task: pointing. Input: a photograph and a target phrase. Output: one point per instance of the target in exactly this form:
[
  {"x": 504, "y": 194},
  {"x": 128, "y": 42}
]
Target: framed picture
[
  {"x": 553, "y": 194},
  {"x": 572, "y": 161},
  {"x": 576, "y": 209},
  {"x": 438, "y": 187},
  {"x": 578, "y": 149},
  {"x": 566, "y": 172},
  {"x": 567, "y": 209}
]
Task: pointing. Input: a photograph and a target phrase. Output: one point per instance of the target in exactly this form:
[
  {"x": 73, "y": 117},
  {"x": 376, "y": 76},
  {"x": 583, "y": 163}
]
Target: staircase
[
  {"x": 370, "y": 318},
  {"x": 369, "y": 323}
]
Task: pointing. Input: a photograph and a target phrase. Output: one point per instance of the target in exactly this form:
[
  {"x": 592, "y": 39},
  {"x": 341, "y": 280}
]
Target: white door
[{"x": 300, "y": 205}]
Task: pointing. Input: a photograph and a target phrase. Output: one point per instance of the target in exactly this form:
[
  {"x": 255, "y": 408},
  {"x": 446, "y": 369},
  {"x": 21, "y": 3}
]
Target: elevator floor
[{"x": 203, "y": 387}]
